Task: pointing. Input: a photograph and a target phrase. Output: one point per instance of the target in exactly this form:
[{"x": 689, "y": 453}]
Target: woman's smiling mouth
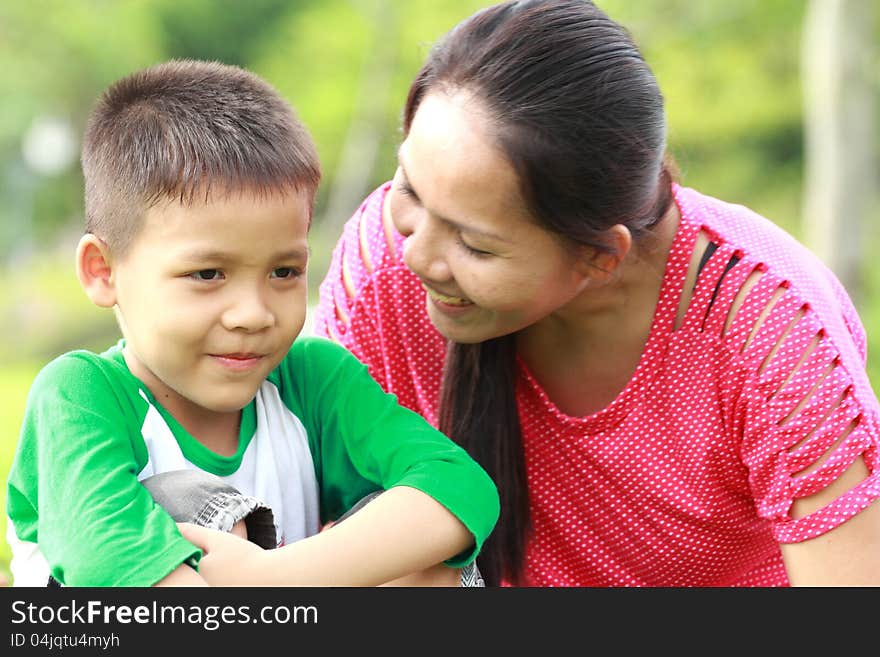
[{"x": 445, "y": 299}]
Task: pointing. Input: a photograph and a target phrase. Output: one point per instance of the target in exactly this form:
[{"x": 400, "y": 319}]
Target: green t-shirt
[{"x": 319, "y": 435}]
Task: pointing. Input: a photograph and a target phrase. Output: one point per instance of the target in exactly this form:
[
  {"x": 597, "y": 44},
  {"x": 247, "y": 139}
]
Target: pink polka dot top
[{"x": 688, "y": 477}]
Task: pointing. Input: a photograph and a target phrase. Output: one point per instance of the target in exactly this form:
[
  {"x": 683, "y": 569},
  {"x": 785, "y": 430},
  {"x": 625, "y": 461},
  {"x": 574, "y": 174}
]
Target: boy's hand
[{"x": 228, "y": 560}]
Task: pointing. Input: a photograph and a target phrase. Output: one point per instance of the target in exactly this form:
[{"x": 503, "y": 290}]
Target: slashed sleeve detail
[{"x": 805, "y": 416}]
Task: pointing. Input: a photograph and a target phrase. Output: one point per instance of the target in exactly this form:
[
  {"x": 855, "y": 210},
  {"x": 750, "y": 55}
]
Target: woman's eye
[
  {"x": 474, "y": 252},
  {"x": 207, "y": 275},
  {"x": 406, "y": 191}
]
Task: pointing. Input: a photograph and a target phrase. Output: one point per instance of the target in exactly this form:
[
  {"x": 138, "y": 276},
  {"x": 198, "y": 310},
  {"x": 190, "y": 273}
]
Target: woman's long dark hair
[{"x": 580, "y": 117}]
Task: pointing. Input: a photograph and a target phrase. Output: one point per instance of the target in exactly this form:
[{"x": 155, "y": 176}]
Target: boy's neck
[
  {"x": 216, "y": 430},
  {"x": 219, "y": 432}
]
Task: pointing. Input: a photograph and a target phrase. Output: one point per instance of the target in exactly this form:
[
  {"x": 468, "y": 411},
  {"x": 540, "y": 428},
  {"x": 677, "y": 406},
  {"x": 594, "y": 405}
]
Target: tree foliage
[{"x": 729, "y": 72}]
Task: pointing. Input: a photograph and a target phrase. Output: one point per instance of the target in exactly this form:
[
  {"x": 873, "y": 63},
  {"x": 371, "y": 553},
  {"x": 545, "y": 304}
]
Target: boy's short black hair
[{"x": 184, "y": 130}]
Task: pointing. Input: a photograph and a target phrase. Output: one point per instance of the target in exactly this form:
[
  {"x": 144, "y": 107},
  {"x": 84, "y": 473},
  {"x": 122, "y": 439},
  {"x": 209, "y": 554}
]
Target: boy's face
[{"x": 210, "y": 298}]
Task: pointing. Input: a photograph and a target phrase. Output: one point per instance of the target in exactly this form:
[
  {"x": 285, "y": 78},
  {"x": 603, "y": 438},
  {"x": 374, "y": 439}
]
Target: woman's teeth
[{"x": 442, "y": 298}]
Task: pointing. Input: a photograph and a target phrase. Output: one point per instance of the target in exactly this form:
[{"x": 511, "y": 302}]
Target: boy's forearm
[
  {"x": 183, "y": 575},
  {"x": 402, "y": 531}
]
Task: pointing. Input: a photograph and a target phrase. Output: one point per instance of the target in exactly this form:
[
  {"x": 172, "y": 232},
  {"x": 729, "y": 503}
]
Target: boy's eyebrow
[
  {"x": 199, "y": 255},
  {"x": 294, "y": 254},
  {"x": 459, "y": 226}
]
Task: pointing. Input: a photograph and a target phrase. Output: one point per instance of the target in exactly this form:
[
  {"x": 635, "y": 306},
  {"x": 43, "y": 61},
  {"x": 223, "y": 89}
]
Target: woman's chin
[{"x": 462, "y": 327}]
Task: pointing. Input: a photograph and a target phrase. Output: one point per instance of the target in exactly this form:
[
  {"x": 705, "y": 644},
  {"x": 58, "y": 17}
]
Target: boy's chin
[{"x": 232, "y": 403}]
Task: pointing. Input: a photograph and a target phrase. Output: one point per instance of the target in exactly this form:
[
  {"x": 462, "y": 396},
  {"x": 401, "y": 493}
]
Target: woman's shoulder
[
  {"x": 740, "y": 225},
  {"x": 760, "y": 241},
  {"x": 368, "y": 250},
  {"x": 765, "y": 273},
  {"x": 369, "y": 241}
]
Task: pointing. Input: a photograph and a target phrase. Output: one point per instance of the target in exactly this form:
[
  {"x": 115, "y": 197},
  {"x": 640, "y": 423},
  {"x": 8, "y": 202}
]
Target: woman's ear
[
  {"x": 94, "y": 269},
  {"x": 600, "y": 265}
]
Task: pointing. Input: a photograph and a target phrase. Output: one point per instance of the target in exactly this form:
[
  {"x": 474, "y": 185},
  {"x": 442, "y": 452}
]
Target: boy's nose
[{"x": 249, "y": 313}]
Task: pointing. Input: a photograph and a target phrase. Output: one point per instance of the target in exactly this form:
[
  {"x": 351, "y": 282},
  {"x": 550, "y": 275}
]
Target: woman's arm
[{"x": 848, "y": 555}]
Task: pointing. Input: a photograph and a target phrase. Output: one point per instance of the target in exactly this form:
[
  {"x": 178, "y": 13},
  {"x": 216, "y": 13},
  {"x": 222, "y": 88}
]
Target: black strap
[{"x": 710, "y": 249}]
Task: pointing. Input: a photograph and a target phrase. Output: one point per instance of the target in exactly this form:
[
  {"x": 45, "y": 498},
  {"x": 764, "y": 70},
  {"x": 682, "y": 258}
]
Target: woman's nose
[{"x": 424, "y": 254}]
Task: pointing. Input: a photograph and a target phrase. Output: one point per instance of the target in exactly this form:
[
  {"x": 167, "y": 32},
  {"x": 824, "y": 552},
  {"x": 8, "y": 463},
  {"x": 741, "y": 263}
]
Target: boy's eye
[
  {"x": 207, "y": 275},
  {"x": 285, "y": 272}
]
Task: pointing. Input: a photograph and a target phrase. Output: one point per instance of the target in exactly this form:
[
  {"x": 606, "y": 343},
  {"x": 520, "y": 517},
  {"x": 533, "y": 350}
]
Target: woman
[{"x": 667, "y": 389}]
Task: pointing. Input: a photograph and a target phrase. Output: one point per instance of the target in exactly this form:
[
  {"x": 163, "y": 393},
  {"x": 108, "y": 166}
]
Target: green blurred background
[{"x": 732, "y": 74}]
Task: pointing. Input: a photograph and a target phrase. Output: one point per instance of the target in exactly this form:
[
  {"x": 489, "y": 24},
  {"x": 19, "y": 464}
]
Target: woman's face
[{"x": 487, "y": 267}]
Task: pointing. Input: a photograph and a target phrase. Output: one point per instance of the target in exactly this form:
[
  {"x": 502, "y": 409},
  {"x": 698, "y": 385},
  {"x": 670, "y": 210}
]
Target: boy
[{"x": 199, "y": 189}]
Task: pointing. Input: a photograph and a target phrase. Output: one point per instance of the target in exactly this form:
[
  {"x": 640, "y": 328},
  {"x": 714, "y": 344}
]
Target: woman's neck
[
  {"x": 584, "y": 354},
  {"x": 606, "y": 313}
]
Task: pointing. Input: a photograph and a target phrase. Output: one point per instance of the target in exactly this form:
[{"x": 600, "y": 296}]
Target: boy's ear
[
  {"x": 94, "y": 269},
  {"x": 598, "y": 266}
]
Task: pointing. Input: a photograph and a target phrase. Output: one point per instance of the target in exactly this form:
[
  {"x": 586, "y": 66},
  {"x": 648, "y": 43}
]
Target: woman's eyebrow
[{"x": 464, "y": 228}]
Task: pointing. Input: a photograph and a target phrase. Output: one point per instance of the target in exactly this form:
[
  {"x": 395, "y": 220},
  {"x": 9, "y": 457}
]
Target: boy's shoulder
[
  {"x": 82, "y": 367},
  {"x": 315, "y": 346},
  {"x": 315, "y": 361},
  {"x": 316, "y": 351}
]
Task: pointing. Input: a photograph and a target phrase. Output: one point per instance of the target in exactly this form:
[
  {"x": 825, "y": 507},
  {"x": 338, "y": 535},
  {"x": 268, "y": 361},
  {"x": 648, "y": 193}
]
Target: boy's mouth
[{"x": 238, "y": 361}]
